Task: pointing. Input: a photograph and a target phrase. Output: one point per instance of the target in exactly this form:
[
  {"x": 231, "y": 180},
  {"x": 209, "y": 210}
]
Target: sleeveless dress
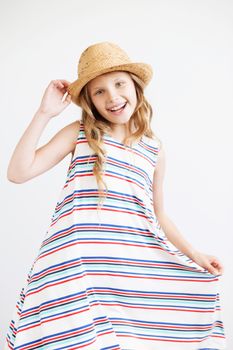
[{"x": 109, "y": 279}]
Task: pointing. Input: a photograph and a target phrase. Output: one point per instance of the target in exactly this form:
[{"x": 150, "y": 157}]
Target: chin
[{"x": 120, "y": 120}]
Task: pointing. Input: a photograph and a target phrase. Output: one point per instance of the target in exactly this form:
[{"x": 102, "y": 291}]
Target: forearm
[
  {"x": 24, "y": 152},
  {"x": 175, "y": 237}
]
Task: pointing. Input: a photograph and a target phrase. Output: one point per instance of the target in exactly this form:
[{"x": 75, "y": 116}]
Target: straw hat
[{"x": 102, "y": 58}]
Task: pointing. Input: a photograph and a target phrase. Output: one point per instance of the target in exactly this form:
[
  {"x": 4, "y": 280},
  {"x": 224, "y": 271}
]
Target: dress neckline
[
  {"x": 113, "y": 139},
  {"x": 106, "y": 135}
]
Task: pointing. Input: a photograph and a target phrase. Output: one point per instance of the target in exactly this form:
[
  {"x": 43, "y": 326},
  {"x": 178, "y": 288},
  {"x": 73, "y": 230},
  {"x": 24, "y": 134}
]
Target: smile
[{"x": 119, "y": 109}]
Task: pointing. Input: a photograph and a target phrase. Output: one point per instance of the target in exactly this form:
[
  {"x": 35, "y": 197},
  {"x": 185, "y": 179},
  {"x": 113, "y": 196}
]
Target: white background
[{"x": 189, "y": 45}]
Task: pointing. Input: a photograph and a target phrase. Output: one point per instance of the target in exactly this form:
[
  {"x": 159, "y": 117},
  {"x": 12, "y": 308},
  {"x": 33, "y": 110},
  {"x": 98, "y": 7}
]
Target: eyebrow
[{"x": 99, "y": 87}]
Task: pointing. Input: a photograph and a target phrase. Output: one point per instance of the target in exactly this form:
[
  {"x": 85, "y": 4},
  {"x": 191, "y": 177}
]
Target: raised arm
[{"x": 27, "y": 161}]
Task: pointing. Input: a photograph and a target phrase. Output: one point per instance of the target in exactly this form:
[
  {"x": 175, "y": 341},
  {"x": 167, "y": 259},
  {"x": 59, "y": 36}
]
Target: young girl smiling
[{"x": 113, "y": 271}]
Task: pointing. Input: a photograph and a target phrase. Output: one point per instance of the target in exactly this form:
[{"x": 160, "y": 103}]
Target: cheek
[
  {"x": 134, "y": 98},
  {"x": 132, "y": 94},
  {"x": 98, "y": 105},
  {"x": 95, "y": 102}
]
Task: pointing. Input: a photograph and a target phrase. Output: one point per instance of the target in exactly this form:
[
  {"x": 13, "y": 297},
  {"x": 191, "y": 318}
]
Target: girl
[{"x": 113, "y": 271}]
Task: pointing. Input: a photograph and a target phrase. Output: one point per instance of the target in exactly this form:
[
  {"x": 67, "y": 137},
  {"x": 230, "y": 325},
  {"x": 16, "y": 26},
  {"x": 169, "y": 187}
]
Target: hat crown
[{"x": 101, "y": 56}]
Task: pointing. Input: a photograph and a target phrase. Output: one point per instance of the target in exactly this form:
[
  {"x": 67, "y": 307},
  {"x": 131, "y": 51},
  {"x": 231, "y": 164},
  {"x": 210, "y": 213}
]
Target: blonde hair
[{"x": 95, "y": 126}]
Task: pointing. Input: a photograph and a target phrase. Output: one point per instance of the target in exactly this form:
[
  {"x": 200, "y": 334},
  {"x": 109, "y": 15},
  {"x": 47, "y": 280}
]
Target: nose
[{"x": 112, "y": 95}]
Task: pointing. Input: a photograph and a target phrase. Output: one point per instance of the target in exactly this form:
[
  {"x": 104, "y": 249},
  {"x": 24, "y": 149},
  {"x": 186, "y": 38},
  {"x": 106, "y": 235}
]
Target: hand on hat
[{"x": 52, "y": 102}]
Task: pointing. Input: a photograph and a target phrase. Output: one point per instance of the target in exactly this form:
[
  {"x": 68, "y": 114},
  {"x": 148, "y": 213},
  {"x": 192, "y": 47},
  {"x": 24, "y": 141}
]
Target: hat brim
[{"x": 143, "y": 70}]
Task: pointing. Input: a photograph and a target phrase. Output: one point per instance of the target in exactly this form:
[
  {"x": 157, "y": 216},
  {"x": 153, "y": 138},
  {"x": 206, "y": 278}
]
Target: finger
[
  {"x": 60, "y": 86},
  {"x": 212, "y": 270},
  {"x": 67, "y": 99},
  {"x": 221, "y": 268},
  {"x": 216, "y": 263},
  {"x": 57, "y": 83},
  {"x": 65, "y": 82}
]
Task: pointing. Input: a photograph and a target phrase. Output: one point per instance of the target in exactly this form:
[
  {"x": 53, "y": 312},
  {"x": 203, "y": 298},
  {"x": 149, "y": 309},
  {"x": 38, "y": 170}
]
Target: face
[{"x": 114, "y": 96}]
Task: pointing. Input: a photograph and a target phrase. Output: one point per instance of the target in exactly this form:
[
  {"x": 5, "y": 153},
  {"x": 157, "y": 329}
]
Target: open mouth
[{"x": 118, "y": 110}]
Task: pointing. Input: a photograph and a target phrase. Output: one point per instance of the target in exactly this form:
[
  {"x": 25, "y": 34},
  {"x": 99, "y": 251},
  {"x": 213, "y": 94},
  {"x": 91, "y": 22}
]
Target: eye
[
  {"x": 120, "y": 83},
  {"x": 97, "y": 92}
]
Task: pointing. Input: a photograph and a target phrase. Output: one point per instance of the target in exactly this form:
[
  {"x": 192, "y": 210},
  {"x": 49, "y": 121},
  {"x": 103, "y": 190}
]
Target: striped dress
[{"x": 110, "y": 279}]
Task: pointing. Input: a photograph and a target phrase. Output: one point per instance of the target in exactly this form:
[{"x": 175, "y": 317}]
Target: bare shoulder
[
  {"x": 64, "y": 141},
  {"x": 70, "y": 132},
  {"x": 73, "y": 127}
]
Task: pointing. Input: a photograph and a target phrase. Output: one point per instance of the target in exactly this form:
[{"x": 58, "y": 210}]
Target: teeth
[{"x": 117, "y": 107}]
